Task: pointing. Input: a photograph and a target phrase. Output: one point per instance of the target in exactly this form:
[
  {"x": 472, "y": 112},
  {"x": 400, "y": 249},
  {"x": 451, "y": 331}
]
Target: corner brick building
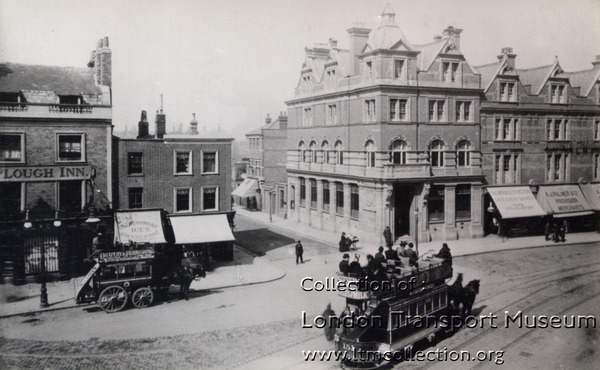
[
  {"x": 55, "y": 164},
  {"x": 389, "y": 133}
]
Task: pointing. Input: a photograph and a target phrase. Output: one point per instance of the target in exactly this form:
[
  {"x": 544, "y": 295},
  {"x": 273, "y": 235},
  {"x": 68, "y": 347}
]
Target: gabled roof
[
  {"x": 428, "y": 53},
  {"x": 490, "y": 71},
  {"x": 388, "y": 35},
  {"x": 537, "y": 77},
  {"x": 585, "y": 80},
  {"x": 61, "y": 80},
  {"x": 342, "y": 58}
]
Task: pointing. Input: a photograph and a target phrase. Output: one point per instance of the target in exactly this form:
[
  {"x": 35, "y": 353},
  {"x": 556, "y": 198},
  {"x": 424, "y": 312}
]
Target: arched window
[
  {"x": 463, "y": 153},
  {"x": 398, "y": 152},
  {"x": 370, "y": 149},
  {"x": 301, "y": 149},
  {"x": 436, "y": 153},
  {"x": 312, "y": 152},
  {"x": 338, "y": 153},
  {"x": 325, "y": 151}
]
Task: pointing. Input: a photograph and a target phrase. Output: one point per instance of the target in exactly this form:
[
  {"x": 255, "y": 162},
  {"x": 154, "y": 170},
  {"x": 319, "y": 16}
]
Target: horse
[
  {"x": 468, "y": 297},
  {"x": 455, "y": 292}
]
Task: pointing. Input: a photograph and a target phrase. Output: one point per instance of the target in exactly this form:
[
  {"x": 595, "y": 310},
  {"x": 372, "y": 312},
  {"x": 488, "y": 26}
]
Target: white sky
[{"x": 231, "y": 62}]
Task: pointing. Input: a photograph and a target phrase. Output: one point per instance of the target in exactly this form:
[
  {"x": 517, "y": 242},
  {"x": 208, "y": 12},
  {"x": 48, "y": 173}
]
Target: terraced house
[{"x": 389, "y": 133}]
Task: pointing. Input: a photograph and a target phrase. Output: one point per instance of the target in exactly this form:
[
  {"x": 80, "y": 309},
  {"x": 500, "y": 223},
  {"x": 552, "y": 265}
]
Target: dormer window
[
  {"x": 558, "y": 94},
  {"x": 70, "y": 99},
  {"x": 330, "y": 77},
  {"x": 449, "y": 71},
  {"x": 507, "y": 92}
]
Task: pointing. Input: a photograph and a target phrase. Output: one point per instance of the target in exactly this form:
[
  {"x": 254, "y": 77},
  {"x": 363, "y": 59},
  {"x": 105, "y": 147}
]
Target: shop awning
[
  {"x": 246, "y": 189},
  {"x": 515, "y": 202},
  {"x": 563, "y": 200},
  {"x": 201, "y": 229},
  {"x": 142, "y": 226},
  {"x": 592, "y": 194}
]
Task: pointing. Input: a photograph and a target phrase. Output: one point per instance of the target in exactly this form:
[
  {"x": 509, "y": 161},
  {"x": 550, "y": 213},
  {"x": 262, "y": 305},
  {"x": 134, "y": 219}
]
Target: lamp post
[
  {"x": 417, "y": 214},
  {"x": 270, "y": 206}
]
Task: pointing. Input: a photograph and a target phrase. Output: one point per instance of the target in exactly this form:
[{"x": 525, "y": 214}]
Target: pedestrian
[
  {"x": 343, "y": 244},
  {"x": 379, "y": 257},
  {"x": 97, "y": 244},
  {"x": 329, "y": 329},
  {"x": 299, "y": 252},
  {"x": 547, "y": 230},
  {"x": 345, "y": 264},
  {"x": 185, "y": 280},
  {"x": 387, "y": 234},
  {"x": 556, "y": 236},
  {"x": 562, "y": 230}
]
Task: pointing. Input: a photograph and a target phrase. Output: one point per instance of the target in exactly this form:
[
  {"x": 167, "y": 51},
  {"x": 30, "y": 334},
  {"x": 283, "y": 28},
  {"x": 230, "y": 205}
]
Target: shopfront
[
  {"x": 207, "y": 237},
  {"x": 513, "y": 211},
  {"x": 567, "y": 203}
]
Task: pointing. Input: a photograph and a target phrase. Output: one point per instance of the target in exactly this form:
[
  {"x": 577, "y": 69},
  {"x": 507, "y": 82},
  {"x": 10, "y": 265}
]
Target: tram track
[{"x": 580, "y": 287}]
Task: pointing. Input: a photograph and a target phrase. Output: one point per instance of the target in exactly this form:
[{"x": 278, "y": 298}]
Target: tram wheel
[
  {"x": 113, "y": 298},
  {"x": 142, "y": 297}
]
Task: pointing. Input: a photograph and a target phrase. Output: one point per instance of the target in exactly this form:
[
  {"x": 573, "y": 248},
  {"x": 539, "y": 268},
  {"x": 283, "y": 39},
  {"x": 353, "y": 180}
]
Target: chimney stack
[
  {"x": 283, "y": 121},
  {"x": 160, "y": 121},
  {"x": 194, "y": 125},
  {"x": 332, "y": 43},
  {"x": 143, "y": 126},
  {"x": 101, "y": 61},
  {"x": 358, "y": 39},
  {"x": 596, "y": 63},
  {"x": 268, "y": 119},
  {"x": 508, "y": 51},
  {"x": 454, "y": 33}
]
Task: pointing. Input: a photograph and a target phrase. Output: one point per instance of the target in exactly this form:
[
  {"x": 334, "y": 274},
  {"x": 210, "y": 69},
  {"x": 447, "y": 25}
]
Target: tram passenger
[
  {"x": 375, "y": 271},
  {"x": 355, "y": 268},
  {"x": 391, "y": 254},
  {"x": 379, "y": 258},
  {"x": 445, "y": 254},
  {"x": 401, "y": 251},
  {"x": 412, "y": 255},
  {"x": 345, "y": 264}
]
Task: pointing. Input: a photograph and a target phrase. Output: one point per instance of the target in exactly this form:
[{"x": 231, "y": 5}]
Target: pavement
[{"x": 247, "y": 269}]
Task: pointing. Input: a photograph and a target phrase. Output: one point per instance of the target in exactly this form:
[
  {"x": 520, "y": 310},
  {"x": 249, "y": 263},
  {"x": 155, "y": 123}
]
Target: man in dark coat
[
  {"x": 387, "y": 234},
  {"x": 299, "y": 252},
  {"x": 547, "y": 230},
  {"x": 379, "y": 257},
  {"x": 562, "y": 230},
  {"x": 355, "y": 267},
  {"x": 343, "y": 244},
  {"x": 411, "y": 254},
  {"x": 329, "y": 315},
  {"x": 345, "y": 264},
  {"x": 185, "y": 279},
  {"x": 445, "y": 254},
  {"x": 391, "y": 254}
]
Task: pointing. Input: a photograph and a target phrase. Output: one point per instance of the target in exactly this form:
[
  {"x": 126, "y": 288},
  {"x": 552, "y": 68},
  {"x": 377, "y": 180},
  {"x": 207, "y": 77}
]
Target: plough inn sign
[{"x": 45, "y": 173}]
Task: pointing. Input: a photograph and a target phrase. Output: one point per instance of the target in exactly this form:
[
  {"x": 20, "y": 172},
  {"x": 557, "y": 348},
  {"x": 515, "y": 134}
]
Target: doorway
[{"x": 403, "y": 197}]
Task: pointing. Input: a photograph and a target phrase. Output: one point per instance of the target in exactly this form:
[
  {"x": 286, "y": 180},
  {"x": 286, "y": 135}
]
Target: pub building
[{"x": 55, "y": 166}]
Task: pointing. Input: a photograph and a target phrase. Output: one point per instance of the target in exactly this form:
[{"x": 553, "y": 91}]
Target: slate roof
[
  {"x": 536, "y": 77},
  {"x": 61, "y": 80},
  {"x": 428, "y": 53},
  {"x": 585, "y": 80},
  {"x": 488, "y": 72}
]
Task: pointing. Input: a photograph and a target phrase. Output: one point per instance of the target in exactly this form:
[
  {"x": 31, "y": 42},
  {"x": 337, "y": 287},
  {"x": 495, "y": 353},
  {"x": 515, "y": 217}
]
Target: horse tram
[
  {"x": 384, "y": 318},
  {"x": 139, "y": 276}
]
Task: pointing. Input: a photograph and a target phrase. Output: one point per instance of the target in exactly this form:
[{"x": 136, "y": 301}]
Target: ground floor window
[
  {"x": 302, "y": 192},
  {"x": 313, "y": 194},
  {"x": 326, "y": 196},
  {"x": 35, "y": 246},
  {"x": 354, "y": 201},
  {"x": 463, "y": 202},
  {"x": 10, "y": 200},
  {"x": 435, "y": 204},
  {"x": 69, "y": 196},
  {"x": 339, "y": 198}
]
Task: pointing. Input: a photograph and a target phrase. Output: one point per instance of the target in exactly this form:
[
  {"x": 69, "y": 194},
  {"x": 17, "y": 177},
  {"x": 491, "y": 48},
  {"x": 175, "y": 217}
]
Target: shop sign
[
  {"x": 141, "y": 254},
  {"x": 566, "y": 198},
  {"x": 45, "y": 173}
]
